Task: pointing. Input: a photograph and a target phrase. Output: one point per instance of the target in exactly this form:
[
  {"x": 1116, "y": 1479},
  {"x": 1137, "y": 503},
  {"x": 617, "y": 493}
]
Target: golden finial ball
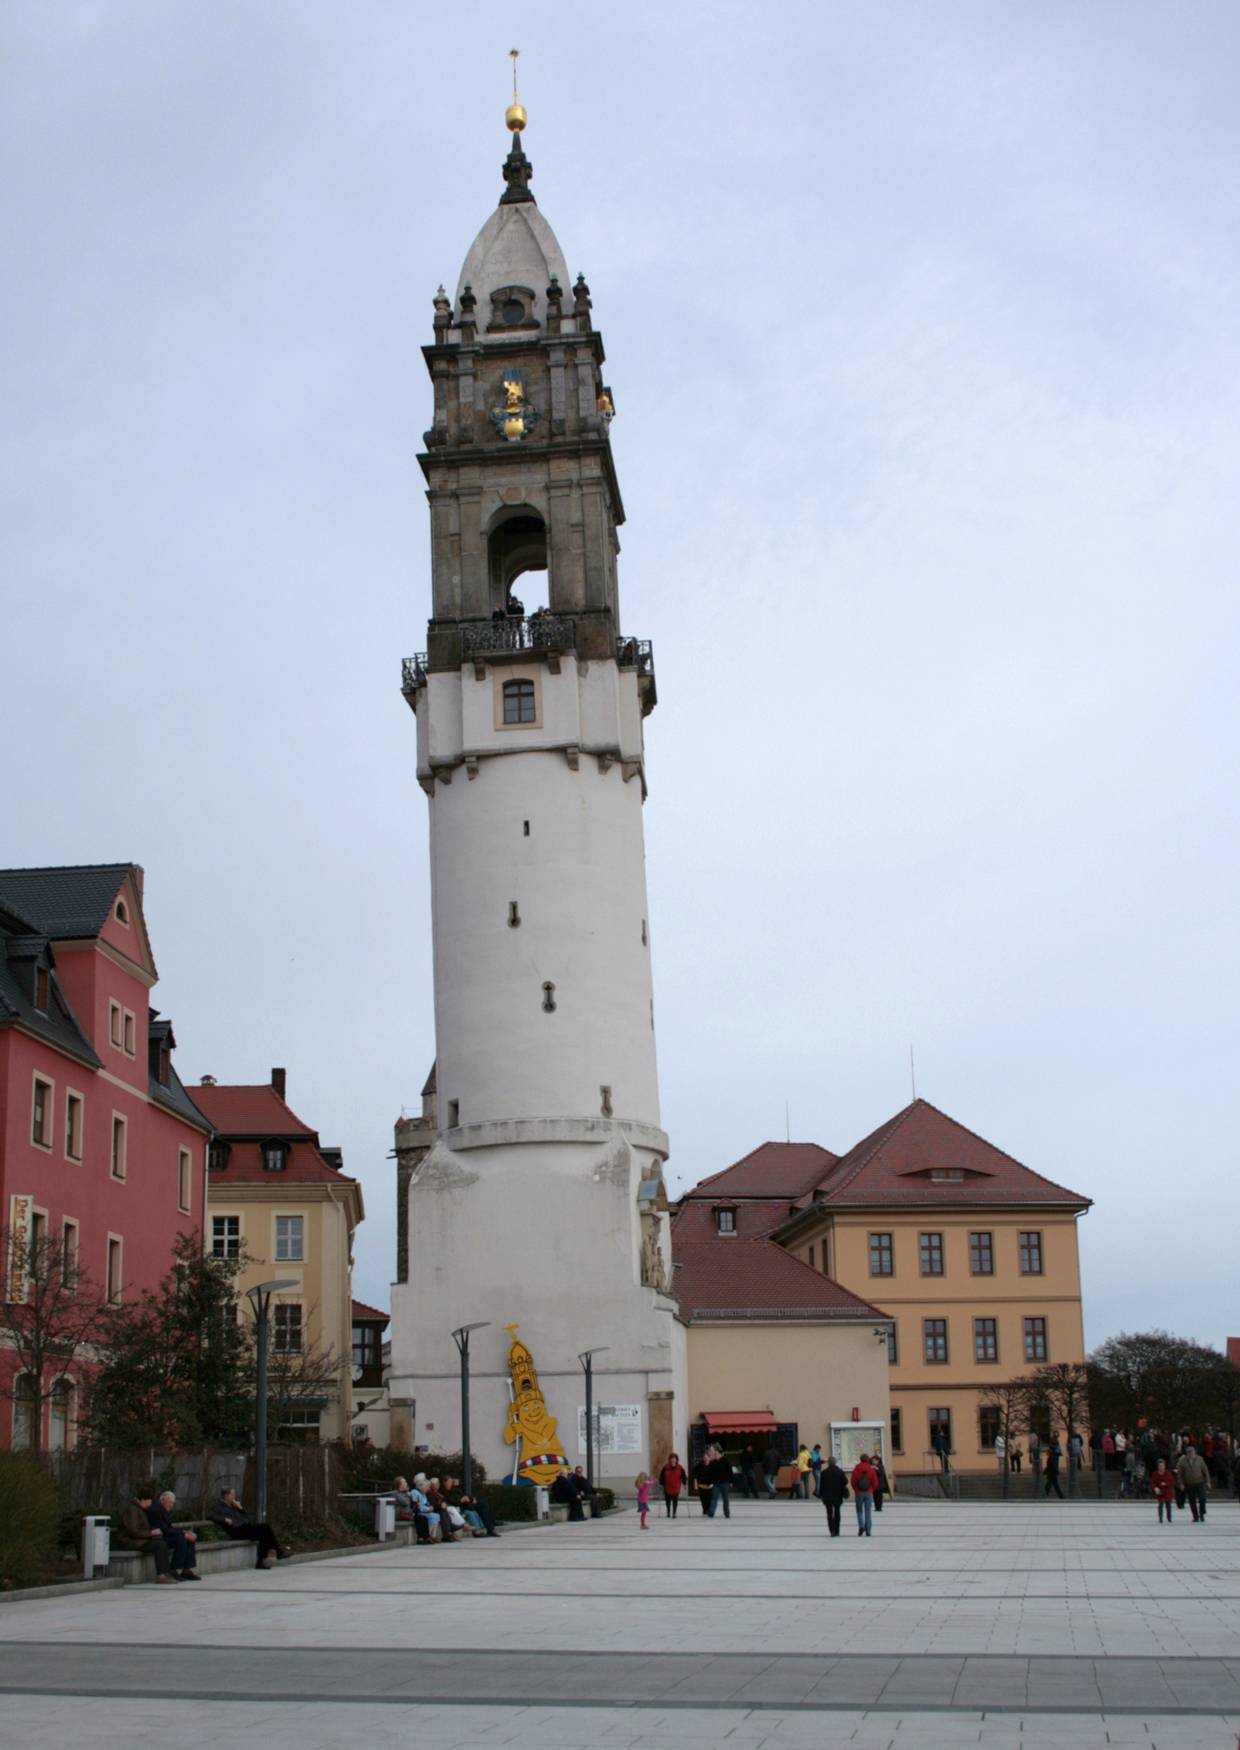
[{"x": 516, "y": 117}]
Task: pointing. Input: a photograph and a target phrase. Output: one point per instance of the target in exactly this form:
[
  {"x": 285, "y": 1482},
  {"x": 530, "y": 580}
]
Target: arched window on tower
[{"x": 516, "y": 543}]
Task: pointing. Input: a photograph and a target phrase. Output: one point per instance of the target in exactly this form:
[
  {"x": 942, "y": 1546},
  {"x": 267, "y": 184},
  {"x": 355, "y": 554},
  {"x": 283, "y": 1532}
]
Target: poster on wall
[
  {"x": 617, "y": 1428},
  {"x": 850, "y": 1439}
]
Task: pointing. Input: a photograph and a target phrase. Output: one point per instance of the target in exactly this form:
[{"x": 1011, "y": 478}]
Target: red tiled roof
[
  {"x": 774, "y": 1169},
  {"x": 887, "y": 1167},
  {"x": 246, "y": 1117},
  {"x": 736, "y": 1278},
  {"x": 696, "y": 1220},
  {"x": 367, "y": 1314},
  {"x": 241, "y": 1110}
]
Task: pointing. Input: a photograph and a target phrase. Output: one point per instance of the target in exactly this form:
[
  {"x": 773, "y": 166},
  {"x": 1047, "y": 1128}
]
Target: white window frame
[
  {"x": 39, "y": 1079},
  {"x": 130, "y": 1022},
  {"x": 298, "y": 1257},
  {"x": 123, "y": 1157},
  {"x": 185, "y": 1181},
  {"x": 116, "y": 1025},
  {"x": 110, "y": 1298},
  {"x": 71, "y": 1094},
  {"x": 506, "y": 677},
  {"x": 69, "y": 1224},
  {"x": 287, "y": 1306},
  {"x": 226, "y": 1237}
]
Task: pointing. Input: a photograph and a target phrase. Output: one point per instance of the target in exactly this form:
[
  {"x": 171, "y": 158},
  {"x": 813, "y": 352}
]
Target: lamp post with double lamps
[
  {"x": 259, "y": 1298},
  {"x": 586, "y": 1359},
  {"x": 461, "y": 1338}
]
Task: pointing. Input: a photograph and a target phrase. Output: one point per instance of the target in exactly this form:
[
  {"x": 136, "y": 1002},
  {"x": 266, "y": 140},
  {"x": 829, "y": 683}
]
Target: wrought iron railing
[
  {"x": 413, "y": 673},
  {"x": 538, "y": 632},
  {"x": 635, "y": 653}
]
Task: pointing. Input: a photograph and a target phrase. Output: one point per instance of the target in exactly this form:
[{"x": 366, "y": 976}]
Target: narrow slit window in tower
[
  {"x": 605, "y": 1101},
  {"x": 514, "y": 915},
  {"x": 549, "y": 997},
  {"x": 644, "y": 937},
  {"x": 526, "y": 826},
  {"x": 454, "y": 1114}
]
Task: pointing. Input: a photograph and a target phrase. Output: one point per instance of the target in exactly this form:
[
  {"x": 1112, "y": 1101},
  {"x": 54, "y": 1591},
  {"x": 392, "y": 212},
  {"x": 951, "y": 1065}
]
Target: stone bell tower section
[{"x": 541, "y": 1200}]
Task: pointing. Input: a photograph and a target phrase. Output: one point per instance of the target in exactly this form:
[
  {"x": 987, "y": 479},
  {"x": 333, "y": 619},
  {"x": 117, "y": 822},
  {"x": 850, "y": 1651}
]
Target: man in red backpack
[{"x": 864, "y": 1481}]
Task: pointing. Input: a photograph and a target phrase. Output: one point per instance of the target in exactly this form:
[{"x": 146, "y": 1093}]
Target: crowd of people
[{"x": 441, "y": 1512}]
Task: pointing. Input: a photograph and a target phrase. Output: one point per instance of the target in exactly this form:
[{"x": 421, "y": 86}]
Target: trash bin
[
  {"x": 385, "y": 1518},
  {"x": 96, "y": 1543},
  {"x": 542, "y": 1503}
]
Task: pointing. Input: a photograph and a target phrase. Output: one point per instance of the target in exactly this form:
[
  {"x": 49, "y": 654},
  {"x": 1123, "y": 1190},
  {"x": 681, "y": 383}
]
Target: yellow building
[
  {"x": 279, "y": 1198},
  {"x": 777, "y": 1354},
  {"x": 973, "y": 1255}
]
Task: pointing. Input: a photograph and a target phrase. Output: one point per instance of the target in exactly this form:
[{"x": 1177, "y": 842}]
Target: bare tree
[
  {"x": 50, "y": 1315},
  {"x": 301, "y": 1374}
]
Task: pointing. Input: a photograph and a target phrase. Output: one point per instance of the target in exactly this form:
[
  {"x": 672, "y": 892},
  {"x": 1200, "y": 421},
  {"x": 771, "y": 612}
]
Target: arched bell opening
[{"x": 516, "y": 544}]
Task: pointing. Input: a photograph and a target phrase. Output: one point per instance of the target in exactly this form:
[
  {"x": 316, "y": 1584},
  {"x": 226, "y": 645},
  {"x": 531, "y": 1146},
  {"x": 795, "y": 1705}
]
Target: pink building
[{"x": 101, "y": 1148}]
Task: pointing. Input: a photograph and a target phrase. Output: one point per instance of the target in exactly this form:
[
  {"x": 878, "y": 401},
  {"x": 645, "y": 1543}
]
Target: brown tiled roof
[
  {"x": 695, "y": 1220},
  {"x": 891, "y": 1166},
  {"x": 739, "y": 1279},
  {"x": 245, "y": 1117},
  {"x": 787, "y": 1170},
  {"x": 368, "y": 1314}
]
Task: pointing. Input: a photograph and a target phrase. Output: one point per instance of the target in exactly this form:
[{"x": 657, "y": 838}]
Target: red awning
[{"x": 739, "y": 1422}]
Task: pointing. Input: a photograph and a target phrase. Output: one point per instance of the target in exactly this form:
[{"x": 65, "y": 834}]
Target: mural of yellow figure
[{"x": 540, "y": 1460}]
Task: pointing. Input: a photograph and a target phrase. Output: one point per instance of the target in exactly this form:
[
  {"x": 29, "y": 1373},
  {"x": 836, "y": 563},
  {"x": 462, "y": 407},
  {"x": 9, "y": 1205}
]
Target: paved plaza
[{"x": 1009, "y": 1627}]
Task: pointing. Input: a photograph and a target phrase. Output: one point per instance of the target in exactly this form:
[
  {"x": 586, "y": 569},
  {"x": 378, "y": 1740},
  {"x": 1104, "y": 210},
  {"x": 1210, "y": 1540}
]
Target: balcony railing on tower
[
  {"x": 636, "y": 653},
  {"x": 515, "y": 632}
]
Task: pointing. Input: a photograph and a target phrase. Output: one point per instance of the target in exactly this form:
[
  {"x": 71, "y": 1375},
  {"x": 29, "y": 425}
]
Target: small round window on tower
[{"x": 513, "y": 311}]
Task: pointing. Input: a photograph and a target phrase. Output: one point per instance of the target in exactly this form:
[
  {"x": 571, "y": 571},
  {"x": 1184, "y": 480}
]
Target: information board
[{"x": 617, "y": 1428}]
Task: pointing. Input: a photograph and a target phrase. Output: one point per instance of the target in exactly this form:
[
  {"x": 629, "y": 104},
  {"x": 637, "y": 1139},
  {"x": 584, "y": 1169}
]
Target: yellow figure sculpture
[{"x": 540, "y": 1459}]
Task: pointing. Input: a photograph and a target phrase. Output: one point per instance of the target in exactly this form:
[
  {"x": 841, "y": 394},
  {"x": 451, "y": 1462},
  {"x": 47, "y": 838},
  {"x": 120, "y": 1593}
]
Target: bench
[{"x": 137, "y": 1569}]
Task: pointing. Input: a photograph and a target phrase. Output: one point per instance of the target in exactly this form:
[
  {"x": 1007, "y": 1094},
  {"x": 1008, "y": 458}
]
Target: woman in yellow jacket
[{"x": 803, "y": 1471}]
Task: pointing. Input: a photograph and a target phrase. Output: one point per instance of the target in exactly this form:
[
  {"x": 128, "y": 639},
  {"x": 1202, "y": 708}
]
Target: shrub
[
  {"x": 373, "y": 1467},
  {"x": 29, "y": 1521},
  {"x": 507, "y": 1501},
  {"x": 604, "y": 1500}
]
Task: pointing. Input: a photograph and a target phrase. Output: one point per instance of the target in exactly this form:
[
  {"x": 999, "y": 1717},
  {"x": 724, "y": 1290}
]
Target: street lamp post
[
  {"x": 586, "y": 1359},
  {"x": 259, "y": 1298},
  {"x": 461, "y": 1339}
]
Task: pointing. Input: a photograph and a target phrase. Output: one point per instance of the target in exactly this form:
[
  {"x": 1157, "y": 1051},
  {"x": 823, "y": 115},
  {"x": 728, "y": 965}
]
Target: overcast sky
[{"x": 922, "y": 324}]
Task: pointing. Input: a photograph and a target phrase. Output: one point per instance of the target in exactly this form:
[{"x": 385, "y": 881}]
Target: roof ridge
[
  {"x": 876, "y": 1138},
  {"x": 64, "y": 868},
  {"x": 986, "y": 1142}
]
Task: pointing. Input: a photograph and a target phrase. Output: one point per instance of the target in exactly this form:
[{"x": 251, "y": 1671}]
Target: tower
[{"x": 541, "y": 1200}]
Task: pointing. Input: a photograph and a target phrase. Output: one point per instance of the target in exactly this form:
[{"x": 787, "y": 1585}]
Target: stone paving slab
[{"x": 1015, "y": 1628}]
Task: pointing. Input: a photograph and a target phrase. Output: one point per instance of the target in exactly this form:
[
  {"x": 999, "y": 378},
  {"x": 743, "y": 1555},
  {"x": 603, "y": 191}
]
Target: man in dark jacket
[
  {"x": 770, "y": 1469},
  {"x": 182, "y": 1545},
  {"x": 720, "y": 1485},
  {"x": 136, "y": 1533},
  {"x": 833, "y": 1488},
  {"x": 1054, "y": 1454},
  {"x": 230, "y": 1516}
]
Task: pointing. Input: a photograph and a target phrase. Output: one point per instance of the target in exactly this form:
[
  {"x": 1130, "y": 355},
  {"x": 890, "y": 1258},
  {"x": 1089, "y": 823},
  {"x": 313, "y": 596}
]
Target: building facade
[
  {"x": 778, "y": 1353},
  {"x": 540, "y": 1202},
  {"x": 281, "y": 1201},
  {"x": 101, "y": 1149}
]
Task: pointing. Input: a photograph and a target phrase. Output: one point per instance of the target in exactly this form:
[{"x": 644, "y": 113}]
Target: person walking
[
  {"x": 1054, "y": 1454},
  {"x": 884, "y": 1487},
  {"x": 1162, "y": 1487},
  {"x": 643, "y": 1500},
  {"x": 832, "y": 1490},
  {"x": 701, "y": 1481},
  {"x": 942, "y": 1446},
  {"x": 749, "y": 1465},
  {"x": 770, "y": 1469},
  {"x": 1015, "y": 1457},
  {"x": 1193, "y": 1477},
  {"x": 720, "y": 1484},
  {"x": 672, "y": 1480},
  {"x": 815, "y": 1465},
  {"x": 864, "y": 1481},
  {"x": 803, "y": 1472}
]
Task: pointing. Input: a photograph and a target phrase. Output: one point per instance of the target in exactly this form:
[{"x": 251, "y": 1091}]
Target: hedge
[{"x": 29, "y": 1521}]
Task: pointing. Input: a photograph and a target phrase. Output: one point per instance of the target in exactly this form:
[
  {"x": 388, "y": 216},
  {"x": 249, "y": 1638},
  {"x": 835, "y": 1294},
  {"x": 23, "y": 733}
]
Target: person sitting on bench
[
  {"x": 230, "y": 1516},
  {"x": 137, "y": 1533}
]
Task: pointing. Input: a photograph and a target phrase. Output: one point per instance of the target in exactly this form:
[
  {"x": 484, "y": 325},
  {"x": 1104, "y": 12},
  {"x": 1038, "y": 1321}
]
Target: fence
[{"x": 303, "y": 1482}]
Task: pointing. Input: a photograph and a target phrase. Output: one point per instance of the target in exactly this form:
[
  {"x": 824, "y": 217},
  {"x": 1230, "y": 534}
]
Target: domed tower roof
[{"x": 515, "y": 248}]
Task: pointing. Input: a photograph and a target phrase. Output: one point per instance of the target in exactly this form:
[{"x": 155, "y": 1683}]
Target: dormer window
[
  {"x": 948, "y": 1175},
  {"x": 512, "y": 307},
  {"x": 41, "y": 987},
  {"x": 217, "y": 1156},
  {"x": 122, "y": 913},
  {"x": 275, "y": 1155},
  {"x": 725, "y": 1221}
]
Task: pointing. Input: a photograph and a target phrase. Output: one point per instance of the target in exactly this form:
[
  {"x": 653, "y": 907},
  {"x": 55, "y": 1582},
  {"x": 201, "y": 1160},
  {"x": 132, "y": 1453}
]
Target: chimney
[
  {"x": 208, "y": 1081},
  {"x": 277, "y": 1081}
]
